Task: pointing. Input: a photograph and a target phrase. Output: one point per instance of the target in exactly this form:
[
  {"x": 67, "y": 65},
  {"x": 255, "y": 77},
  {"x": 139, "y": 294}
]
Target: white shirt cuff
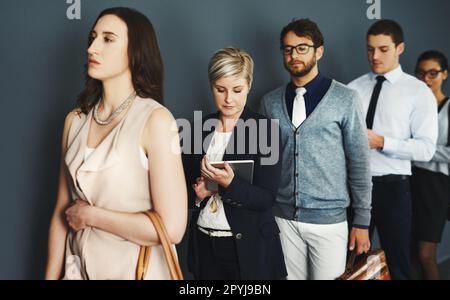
[{"x": 390, "y": 145}]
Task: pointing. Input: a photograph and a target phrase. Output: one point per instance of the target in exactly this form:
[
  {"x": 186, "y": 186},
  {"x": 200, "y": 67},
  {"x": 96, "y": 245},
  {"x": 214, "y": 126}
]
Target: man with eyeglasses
[
  {"x": 325, "y": 160},
  {"x": 401, "y": 120}
]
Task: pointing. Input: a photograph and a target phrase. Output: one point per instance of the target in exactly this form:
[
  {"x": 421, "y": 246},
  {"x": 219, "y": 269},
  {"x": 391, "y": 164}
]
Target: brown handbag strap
[
  {"x": 351, "y": 261},
  {"x": 142, "y": 265},
  {"x": 354, "y": 255},
  {"x": 169, "y": 253}
]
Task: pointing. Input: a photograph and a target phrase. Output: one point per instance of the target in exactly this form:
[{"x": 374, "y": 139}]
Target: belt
[
  {"x": 389, "y": 178},
  {"x": 215, "y": 233}
]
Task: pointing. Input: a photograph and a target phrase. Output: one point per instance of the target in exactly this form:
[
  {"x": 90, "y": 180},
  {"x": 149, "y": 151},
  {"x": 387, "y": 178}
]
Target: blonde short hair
[{"x": 230, "y": 62}]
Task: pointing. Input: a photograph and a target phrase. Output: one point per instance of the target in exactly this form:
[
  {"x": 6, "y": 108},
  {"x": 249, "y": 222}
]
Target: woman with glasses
[{"x": 430, "y": 180}]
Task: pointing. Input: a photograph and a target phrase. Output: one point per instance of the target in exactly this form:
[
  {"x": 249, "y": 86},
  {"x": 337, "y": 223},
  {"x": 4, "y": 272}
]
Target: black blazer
[{"x": 248, "y": 207}]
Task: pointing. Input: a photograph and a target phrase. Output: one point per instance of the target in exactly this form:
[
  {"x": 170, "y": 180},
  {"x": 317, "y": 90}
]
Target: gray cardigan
[{"x": 324, "y": 160}]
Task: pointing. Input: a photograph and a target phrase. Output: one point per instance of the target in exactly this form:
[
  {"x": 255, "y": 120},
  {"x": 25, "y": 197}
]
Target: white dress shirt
[
  {"x": 406, "y": 115},
  {"x": 441, "y": 159},
  {"x": 209, "y": 217}
]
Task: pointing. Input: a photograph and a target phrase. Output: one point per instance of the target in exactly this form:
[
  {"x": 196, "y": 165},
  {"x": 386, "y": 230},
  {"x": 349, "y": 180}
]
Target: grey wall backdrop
[{"x": 42, "y": 54}]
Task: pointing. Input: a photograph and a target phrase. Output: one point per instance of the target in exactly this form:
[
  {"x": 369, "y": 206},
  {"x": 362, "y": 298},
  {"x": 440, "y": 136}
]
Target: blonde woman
[{"x": 233, "y": 234}]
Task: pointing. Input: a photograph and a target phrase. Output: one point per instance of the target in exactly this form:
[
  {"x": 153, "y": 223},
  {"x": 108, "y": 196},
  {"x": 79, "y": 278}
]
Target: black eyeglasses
[
  {"x": 432, "y": 74},
  {"x": 300, "y": 49}
]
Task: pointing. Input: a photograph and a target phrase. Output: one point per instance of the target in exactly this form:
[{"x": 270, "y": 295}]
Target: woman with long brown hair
[{"x": 118, "y": 159}]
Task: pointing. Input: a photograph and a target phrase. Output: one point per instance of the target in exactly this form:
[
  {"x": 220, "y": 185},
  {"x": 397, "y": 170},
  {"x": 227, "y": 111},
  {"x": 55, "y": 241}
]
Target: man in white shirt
[{"x": 401, "y": 118}]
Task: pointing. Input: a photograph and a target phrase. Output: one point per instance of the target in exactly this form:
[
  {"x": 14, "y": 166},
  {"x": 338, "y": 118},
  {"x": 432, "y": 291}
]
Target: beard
[{"x": 308, "y": 67}]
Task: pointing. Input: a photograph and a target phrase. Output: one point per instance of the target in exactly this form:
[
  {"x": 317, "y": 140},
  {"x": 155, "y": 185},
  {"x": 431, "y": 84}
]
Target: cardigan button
[{"x": 238, "y": 236}]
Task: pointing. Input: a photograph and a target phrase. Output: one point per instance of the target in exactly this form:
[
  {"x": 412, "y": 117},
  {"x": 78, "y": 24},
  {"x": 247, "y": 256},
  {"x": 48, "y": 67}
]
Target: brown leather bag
[
  {"x": 370, "y": 266},
  {"x": 169, "y": 253}
]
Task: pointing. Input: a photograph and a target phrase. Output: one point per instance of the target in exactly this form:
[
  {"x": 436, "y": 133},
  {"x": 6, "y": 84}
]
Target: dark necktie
[{"x": 373, "y": 101}]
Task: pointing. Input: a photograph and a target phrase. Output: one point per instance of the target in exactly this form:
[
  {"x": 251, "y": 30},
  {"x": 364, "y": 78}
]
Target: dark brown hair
[
  {"x": 144, "y": 58},
  {"x": 437, "y": 56},
  {"x": 303, "y": 28},
  {"x": 388, "y": 27}
]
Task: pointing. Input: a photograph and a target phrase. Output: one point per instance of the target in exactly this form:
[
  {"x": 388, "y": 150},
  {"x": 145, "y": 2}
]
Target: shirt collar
[
  {"x": 310, "y": 86},
  {"x": 392, "y": 76}
]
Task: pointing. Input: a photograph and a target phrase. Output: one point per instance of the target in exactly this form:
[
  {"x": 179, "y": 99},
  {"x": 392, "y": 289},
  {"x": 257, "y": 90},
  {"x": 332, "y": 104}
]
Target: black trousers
[
  {"x": 218, "y": 259},
  {"x": 391, "y": 215}
]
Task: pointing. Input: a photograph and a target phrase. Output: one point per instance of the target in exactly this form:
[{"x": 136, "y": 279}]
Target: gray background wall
[{"x": 42, "y": 55}]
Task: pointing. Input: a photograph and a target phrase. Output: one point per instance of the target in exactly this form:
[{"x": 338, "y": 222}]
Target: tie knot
[
  {"x": 300, "y": 91},
  {"x": 381, "y": 79}
]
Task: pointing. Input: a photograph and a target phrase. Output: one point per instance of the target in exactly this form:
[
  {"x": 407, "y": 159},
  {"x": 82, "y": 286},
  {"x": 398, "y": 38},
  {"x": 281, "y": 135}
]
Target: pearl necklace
[{"x": 124, "y": 105}]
